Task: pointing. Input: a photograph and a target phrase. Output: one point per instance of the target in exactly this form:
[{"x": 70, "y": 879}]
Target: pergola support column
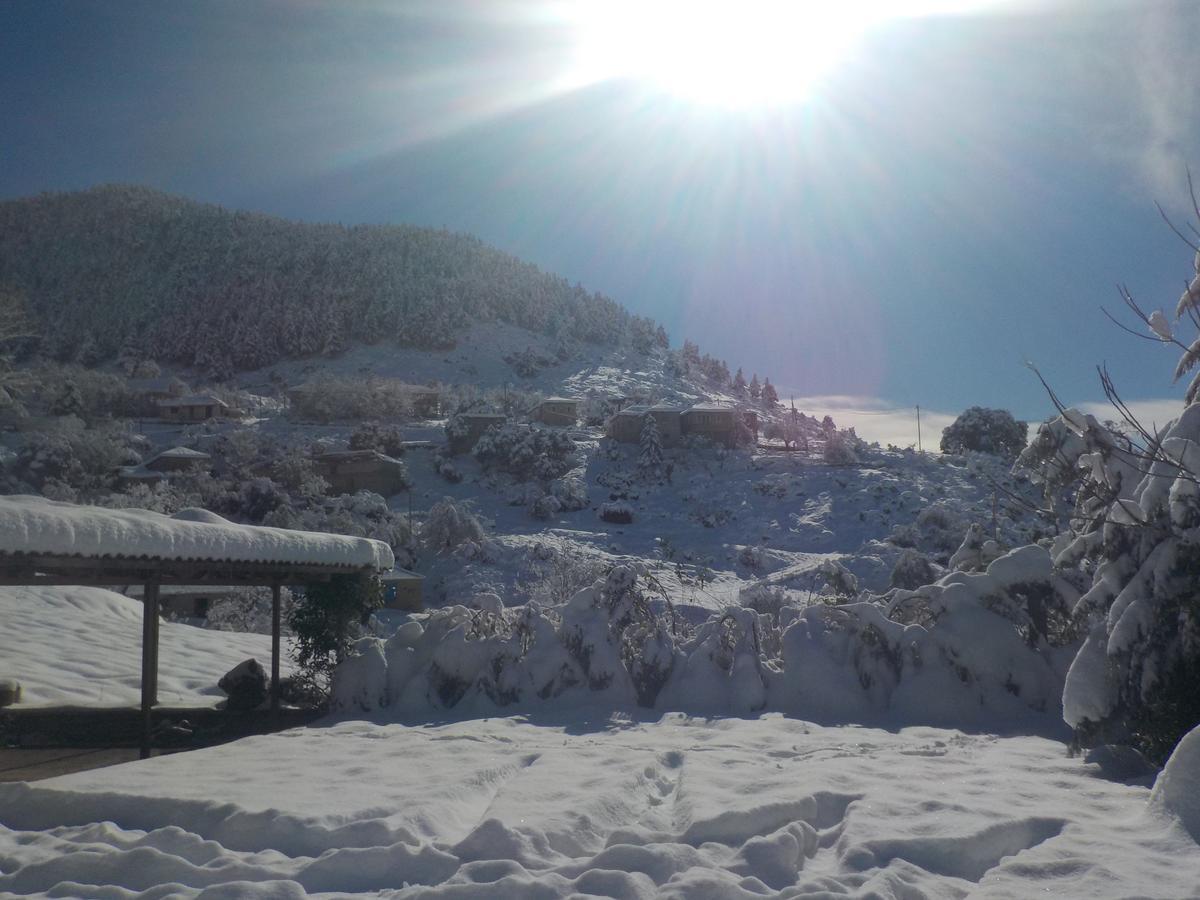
[
  {"x": 275, "y": 632},
  {"x": 149, "y": 662}
]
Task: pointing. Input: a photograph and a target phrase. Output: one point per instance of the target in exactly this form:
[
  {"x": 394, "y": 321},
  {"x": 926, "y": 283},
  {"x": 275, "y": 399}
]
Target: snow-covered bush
[
  {"x": 839, "y": 581},
  {"x": 363, "y": 514},
  {"x": 545, "y": 506},
  {"x": 839, "y": 450},
  {"x": 447, "y": 469},
  {"x": 525, "y": 452},
  {"x": 912, "y": 570},
  {"x": 571, "y": 493},
  {"x": 450, "y": 524},
  {"x": 387, "y": 439},
  {"x": 326, "y": 620},
  {"x": 985, "y": 430},
  {"x": 618, "y": 512},
  {"x": 82, "y": 459},
  {"x": 556, "y": 576}
]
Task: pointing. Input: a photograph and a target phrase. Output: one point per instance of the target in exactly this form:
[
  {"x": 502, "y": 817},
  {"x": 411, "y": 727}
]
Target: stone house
[
  {"x": 402, "y": 590},
  {"x": 711, "y": 421},
  {"x": 626, "y": 425},
  {"x": 194, "y": 408},
  {"x": 348, "y": 471},
  {"x": 556, "y": 411},
  {"x": 149, "y": 392}
]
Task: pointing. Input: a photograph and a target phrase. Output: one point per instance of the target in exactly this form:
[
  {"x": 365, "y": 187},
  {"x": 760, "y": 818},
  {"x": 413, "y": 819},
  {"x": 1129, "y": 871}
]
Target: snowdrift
[{"x": 83, "y": 646}]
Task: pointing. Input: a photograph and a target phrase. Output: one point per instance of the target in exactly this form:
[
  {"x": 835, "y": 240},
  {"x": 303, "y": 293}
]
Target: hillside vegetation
[{"x": 128, "y": 269}]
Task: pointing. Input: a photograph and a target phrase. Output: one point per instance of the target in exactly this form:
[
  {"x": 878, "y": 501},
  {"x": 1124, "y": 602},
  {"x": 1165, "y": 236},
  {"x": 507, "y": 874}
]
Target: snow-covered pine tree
[
  {"x": 769, "y": 396},
  {"x": 1134, "y": 679},
  {"x": 739, "y": 384},
  {"x": 754, "y": 387},
  {"x": 650, "y": 455}
]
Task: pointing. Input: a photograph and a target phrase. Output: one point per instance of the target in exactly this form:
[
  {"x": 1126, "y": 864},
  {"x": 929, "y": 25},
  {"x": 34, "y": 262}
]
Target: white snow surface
[
  {"x": 597, "y": 805},
  {"x": 82, "y": 646},
  {"x": 1177, "y": 790},
  {"x": 30, "y": 524}
]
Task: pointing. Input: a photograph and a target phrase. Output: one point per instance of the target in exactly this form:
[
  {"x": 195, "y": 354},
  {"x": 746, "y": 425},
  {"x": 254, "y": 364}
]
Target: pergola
[{"x": 47, "y": 543}]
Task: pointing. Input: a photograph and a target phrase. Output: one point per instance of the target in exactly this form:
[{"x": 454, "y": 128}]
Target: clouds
[{"x": 875, "y": 421}]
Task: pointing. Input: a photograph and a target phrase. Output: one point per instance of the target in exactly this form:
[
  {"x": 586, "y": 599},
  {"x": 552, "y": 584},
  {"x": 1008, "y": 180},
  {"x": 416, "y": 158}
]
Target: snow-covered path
[{"x": 681, "y": 807}]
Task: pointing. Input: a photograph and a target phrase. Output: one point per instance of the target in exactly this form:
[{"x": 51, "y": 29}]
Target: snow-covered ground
[
  {"x": 600, "y": 805},
  {"x": 83, "y": 646}
]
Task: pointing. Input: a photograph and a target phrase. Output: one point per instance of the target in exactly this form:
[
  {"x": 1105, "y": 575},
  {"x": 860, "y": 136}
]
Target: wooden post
[
  {"x": 149, "y": 661},
  {"x": 275, "y": 628}
]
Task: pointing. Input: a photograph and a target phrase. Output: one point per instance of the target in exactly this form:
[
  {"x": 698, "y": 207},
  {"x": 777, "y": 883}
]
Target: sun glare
[{"x": 733, "y": 53}]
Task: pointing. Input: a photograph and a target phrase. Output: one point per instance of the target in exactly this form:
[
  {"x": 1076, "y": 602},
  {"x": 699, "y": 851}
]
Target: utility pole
[{"x": 920, "y": 449}]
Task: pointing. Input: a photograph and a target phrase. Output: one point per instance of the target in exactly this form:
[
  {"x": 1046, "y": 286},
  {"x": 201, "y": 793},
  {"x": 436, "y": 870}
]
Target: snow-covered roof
[
  {"x": 347, "y": 455},
  {"x": 183, "y": 453},
  {"x": 560, "y": 400},
  {"x": 194, "y": 400},
  {"x": 37, "y": 526},
  {"x": 139, "y": 473},
  {"x": 709, "y": 407}
]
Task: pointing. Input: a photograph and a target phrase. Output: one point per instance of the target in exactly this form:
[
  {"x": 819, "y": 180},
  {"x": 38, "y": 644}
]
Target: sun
[{"x": 730, "y": 53}]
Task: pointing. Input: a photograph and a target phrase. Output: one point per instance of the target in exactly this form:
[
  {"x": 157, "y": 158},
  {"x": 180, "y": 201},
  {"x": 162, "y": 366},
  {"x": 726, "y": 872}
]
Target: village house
[
  {"x": 471, "y": 427},
  {"x": 556, "y": 411},
  {"x": 710, "y": 421},
  {"x": 194, "y": 408},
  {"x": 349, "y": 471},
  {"x": 626, "y": 425},
  {"x": 426, "y": 401},
  {"x": 402, "y": 590}
]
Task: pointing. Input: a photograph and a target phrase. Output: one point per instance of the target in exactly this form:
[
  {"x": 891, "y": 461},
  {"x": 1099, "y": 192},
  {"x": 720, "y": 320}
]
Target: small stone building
[
  {"x": 402, "y": 590},
  {"x": 426, "y": 401},
  {"x": 349, "y": 471},
  {"x": 626, "y": 425},
  {"x": 149, "y": 392},
  {"x": 711, "y": 421},
  {"x": 195, "y": 408},
  {"x": 557, "y": 411}
]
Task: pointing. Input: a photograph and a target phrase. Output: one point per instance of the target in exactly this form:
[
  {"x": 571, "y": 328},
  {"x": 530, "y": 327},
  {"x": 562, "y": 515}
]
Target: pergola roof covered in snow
[{"x": 116, "y": 543}]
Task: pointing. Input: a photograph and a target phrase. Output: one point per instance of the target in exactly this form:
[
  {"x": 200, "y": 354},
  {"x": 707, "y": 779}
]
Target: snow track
[{"x": 681, "y": 807}]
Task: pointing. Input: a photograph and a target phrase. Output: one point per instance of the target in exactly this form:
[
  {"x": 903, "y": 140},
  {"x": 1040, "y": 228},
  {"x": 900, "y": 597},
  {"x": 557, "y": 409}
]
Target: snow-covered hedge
[{"x": 970, "y": 646}]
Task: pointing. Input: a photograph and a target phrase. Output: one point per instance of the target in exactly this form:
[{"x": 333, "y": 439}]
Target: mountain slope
[{"x": 128, "y": 268}]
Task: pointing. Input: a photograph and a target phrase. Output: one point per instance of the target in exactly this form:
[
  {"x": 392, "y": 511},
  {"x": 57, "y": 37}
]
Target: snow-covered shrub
[
  {"x": 912, "y": 570},
  {"x": 839, "y": 581},
  {"x": 296, "y": 473},
  {"x": 256, "y": 499},
  {"x": 985, "y": 430},
  {"x": 363, "y": 514},
  {"x": 839, "y": 451},
  {"x": 447, "y": 469},
  {"x": 450, "y": 524},
  {"x": 387, "y": 439},
  {"x": 618, "y": 512},
  {"x": 557, "y": 576},
  {"x": 571, "y": 493},
  {"x": 525, "y": 452},
  {"x": 326, "y": 620},
  {"x": 545, "y": 506},
  {"x": 752, "y": 556},
  {"x": 342, "y": 398},
  {"x": 82, "y": 459},
  {"x": 976, "y": 552}
]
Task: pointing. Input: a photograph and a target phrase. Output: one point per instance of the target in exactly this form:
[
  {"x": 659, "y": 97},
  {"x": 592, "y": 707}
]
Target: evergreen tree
[
  {"x": 69, "y": 400},
  {"x": 739, "y": 384},
  {"x": 650, "y": 457},
  {"x": 769, "y": 397},
  {"x": 755, "y": 388}
]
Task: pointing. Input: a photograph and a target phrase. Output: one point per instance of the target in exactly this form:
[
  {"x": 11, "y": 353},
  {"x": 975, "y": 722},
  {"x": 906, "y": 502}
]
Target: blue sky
[{"x": 957, "y": 195}]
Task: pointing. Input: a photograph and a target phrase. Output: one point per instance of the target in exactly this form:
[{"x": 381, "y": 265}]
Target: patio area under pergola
[{"x": 43, "y": 542}]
